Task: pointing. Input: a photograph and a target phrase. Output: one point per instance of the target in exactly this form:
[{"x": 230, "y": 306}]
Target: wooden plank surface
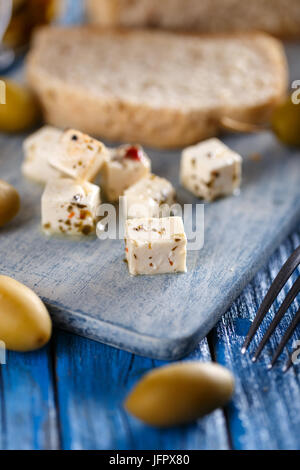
[
  {"x": 93, "y": 380},
  {"x": 69, "y": 395},
  {"x": 87, "y": 285},
  {"x": 265, "y": 413},
  {"x": 27, "y": 399}
]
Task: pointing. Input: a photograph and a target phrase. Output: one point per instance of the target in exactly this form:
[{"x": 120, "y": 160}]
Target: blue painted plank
[
  {"x": 92, "y": 381},
  {"x": 265, "y": 413},
  {"x": 27, "y": 405}
]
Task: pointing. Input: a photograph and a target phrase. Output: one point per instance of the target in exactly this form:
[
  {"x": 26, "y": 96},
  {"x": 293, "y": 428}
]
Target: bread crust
[
  {"x": 277, "y": 17},
  {"x": 104, "y": 12},
  {"x": 65, "y": 105}
]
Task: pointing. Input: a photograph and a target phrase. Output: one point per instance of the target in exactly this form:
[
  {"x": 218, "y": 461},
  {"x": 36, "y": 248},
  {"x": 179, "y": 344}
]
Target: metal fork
[{"x": 284, "y": 274}]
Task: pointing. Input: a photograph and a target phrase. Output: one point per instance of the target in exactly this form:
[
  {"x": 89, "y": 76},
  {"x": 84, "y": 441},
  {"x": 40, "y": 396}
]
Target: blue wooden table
[{"x": 69, "y": 394}]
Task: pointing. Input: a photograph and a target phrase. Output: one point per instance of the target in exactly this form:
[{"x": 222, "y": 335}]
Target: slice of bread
[
  {"x": 279, "y": 17},
  {"x": 156, "y": 88}
]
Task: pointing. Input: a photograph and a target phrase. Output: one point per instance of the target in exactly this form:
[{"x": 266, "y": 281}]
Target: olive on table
[
  {"x": 20, "y": 111},
  {"x": 9, "y": 202},
  {"x": 180, "y": 393},
  {"x": 286, "y": 123},
  {"x": 25, "y": 324}
]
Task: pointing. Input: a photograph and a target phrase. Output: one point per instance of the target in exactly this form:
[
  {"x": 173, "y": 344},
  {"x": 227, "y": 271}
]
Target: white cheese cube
[
  {"x": 69, "y": 207},
  {"x": 81, "y": 156},
  {"x": 155, "y": 246},
  {"x": 210, "y": 170},
  {"x": 147, "y": 197},
  {"x": 37, "y": 148},
  {"x": 126, "y": 165}
]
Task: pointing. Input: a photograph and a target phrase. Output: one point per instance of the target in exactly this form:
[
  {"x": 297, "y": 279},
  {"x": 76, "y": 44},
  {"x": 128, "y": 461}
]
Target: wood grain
[
  {"x": 72, "y": 397},
  {"x": 87, "y": 286},
  {"x": 265, "y": 413},
  {"x": 27, "y": 398},
  {"x": 93, "y": 380}
]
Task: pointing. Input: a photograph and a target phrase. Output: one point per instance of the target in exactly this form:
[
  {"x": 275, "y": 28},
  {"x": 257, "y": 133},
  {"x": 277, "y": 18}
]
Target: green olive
[
  {"x": 25, "y": 324},
  {"x": 286, "y": 123},
  {"x": 9, "y": 202},
  {"x": 21, "y": 111},
  {"x": 180, "y": 393}
]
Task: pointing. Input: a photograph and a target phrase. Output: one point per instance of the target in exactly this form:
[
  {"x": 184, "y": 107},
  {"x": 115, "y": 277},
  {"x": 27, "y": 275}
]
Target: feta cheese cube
[
  {"x": 155, "y": 246},
  {"x": 81, "y": 157},
  {"x": 147, "y": 197},
  {"x": 210, "y": 170},
  {"x": 37, "y": 148},
  {"x": 126, "y": 165},
  {"x": 70, "y": 207}
]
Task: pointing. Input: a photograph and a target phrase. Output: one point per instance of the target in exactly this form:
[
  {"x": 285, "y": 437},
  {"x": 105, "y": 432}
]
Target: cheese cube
[
  {"x": 69, "y": 207},
  {"x": 155, "y": 246},
  {"x": 210, "y": 170},
  {"x": 126, "y": 165},
  {"x": 147, "y": 197},
  {"x": 37, "y": 148},
  {"x": 81, "y": 157}
]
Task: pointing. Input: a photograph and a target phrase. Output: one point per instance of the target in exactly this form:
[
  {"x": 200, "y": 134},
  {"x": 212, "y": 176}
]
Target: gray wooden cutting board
[{"x": 86, "y": 284}]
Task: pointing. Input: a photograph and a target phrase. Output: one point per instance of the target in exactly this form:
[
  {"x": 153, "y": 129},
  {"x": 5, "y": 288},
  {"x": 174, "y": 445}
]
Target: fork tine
[
  {"x": 293, "y": 292},
  {"x": 285, "y": 339},
  {"x": 278, "y": 283}
]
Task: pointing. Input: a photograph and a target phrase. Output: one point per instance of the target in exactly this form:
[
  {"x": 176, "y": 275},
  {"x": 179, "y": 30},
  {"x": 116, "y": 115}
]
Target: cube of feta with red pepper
[
  {"x": 70, "y": 207},
  {"x": 80, "y": 157},
  {"x": 149, "y": 196},
  {"x": 126, "y": 165},
  {"x": 37, "y": 149},
  {"x": 155, "y": 245},
  {"x": 210, "y": 170}
]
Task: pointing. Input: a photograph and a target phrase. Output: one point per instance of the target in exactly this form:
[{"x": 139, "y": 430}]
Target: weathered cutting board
[{"x": 86, "y": 284}]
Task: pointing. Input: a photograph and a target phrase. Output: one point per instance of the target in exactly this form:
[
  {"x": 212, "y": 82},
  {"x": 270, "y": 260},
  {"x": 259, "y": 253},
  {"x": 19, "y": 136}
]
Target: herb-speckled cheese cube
[
  {"x": 81, "y": 157},
  {"x": 147, "y": 197},
  {"x": 210, "y": 170},
  {"x": 70, "y": 207},
  {"x": 125, "y": 166},
  {"x": 155, "y": 245},
  {"x": 37, "y": 149}
]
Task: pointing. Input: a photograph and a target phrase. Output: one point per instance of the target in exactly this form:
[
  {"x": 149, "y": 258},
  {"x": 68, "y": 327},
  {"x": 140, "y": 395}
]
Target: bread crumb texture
[{"x": 157, "y": 88}]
